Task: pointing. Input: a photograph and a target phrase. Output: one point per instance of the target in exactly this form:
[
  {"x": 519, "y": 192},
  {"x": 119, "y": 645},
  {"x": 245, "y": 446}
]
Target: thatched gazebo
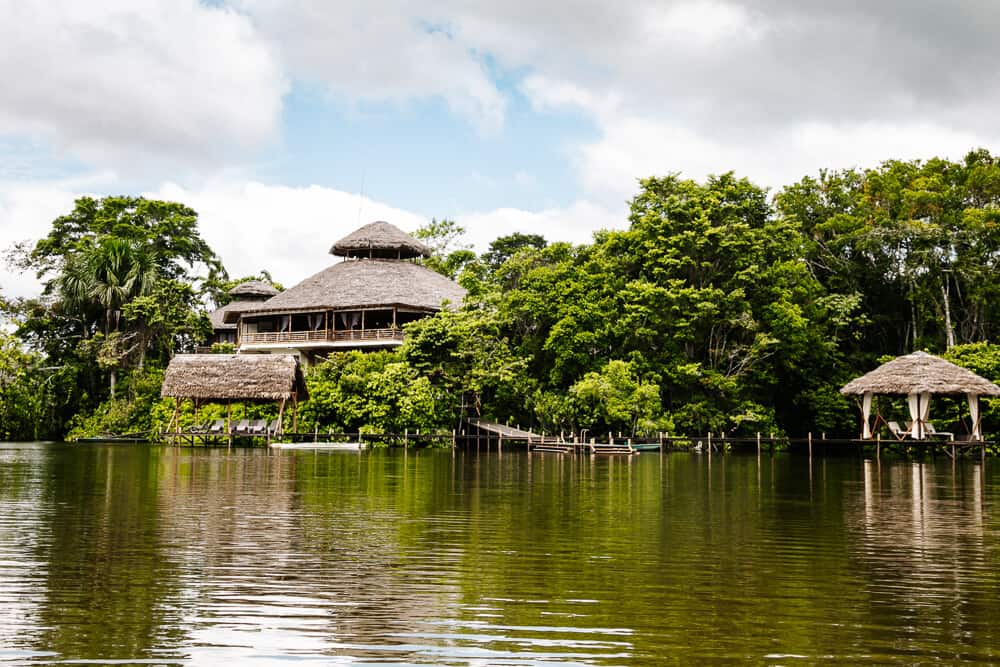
[
  {"x": 246, "y": 295},
  {"x": 213, "y": 378},
  {"x": 362, "y": 302},
  {"x": 918, "y": 376},
  {"x": 382, "y": 240}
]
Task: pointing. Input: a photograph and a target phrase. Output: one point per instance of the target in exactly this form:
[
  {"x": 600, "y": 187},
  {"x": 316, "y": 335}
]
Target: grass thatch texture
[
  {"x": 258, "y": 377},
  {"x": 380, "y": 239},
  {"x": 920, "y": 372}
]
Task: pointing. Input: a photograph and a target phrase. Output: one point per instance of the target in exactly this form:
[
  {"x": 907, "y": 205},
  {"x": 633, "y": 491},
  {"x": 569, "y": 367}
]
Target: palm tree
[{"x": 107, "y": 275}]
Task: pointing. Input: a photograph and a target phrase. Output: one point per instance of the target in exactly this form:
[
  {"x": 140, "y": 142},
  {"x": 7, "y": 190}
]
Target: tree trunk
[{"x": 948, "y": 328}]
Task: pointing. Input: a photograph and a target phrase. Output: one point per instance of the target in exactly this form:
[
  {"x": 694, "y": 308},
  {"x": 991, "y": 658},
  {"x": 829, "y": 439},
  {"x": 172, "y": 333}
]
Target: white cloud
[
  {"x": 26, "y": 213},
  {"x": 575, "y": 223},
  {"x": 289, "y": 230},
  {"x": 137, "y": 83},
  {"x": 285, "y": 230},
  {"x": 390, "y": 52}
]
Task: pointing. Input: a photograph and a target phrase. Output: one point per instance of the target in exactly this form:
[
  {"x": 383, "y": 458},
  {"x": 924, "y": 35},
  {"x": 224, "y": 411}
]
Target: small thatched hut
[
  {"x": 246, "y": 295},
  {"x": 917, "y": 376},
  {"x": 361, "y": 302},
  {"x": 225, "y": 378}
]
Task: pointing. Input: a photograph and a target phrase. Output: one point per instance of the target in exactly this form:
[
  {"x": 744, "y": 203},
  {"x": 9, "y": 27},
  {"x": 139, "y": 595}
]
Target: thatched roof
[
  {"x": 920, "y": 372},
  {"x": 366, "y": 283},
  {"x": 222, "y": 323},
  {"x": 257, "y": 288},
  {"x": 380, "y": 239},
  {"x": 241, "y": 377},
  {"x": 253, "y": 292}
]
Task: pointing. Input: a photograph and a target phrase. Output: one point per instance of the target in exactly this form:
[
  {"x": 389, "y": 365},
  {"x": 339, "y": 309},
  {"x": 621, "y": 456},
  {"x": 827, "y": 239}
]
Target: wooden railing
[{"x": 365, "y": 335}]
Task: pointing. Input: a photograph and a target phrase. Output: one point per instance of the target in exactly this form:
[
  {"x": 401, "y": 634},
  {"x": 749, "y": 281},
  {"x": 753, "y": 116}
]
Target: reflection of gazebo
[{"x": 917, "y": 376}]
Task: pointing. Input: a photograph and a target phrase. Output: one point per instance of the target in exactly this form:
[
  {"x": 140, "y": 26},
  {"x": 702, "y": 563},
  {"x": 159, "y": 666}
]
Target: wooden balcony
[{"x": 341, "y": 338}]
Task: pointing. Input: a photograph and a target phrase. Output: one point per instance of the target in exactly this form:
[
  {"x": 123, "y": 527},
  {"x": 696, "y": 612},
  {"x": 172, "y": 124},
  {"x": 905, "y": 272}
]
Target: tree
[{"x": 448, "y": 254}]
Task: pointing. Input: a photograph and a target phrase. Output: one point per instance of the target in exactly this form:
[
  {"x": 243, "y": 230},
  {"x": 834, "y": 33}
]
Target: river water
[{"x": 160, "y": 555}]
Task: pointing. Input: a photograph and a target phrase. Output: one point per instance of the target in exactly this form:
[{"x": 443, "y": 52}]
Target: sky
[{"x": 287, "y": 123}]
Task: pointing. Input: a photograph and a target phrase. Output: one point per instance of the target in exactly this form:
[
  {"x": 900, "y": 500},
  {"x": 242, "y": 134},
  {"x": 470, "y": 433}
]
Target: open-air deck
[{"x": 386, "y": 336}]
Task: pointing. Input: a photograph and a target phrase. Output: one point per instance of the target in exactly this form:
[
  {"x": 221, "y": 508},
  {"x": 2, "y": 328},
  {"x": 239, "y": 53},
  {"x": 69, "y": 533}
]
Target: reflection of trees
[
  {"x": 21, "y": 528},
  {"x": 304, "y": 552},
  {"x": 108, "y": 580}
]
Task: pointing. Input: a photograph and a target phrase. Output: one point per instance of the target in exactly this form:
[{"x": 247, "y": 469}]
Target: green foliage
[
  {"x": 376, "y": 391},
  {"x": 22, "y": 391},
  {"x": 983, "y": 359},
  {"x": 131, "y": 411},
  {"x": 448, "y": 254},
  {"x": 719, "y": 308},
  {"x": 615, "y": 399}
]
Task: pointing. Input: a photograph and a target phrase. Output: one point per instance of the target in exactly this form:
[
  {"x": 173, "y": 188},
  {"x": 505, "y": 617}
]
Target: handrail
[{"x": 389, "y": 334}]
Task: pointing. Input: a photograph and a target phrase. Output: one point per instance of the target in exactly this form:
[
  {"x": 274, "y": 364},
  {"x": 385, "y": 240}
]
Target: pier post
[
  {"x": 709, "y": 443},
  {"x": 878, "y": 447},
  {"x": 810, "y": 438},
  {"x": 758, "y": 445}
]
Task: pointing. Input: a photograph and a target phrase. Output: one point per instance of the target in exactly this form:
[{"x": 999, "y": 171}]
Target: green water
[{"x": 179, "y": 556}]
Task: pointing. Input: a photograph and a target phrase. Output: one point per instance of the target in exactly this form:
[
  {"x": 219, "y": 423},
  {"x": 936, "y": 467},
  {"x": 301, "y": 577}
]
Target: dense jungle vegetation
[{"x": 721, "y": 307}]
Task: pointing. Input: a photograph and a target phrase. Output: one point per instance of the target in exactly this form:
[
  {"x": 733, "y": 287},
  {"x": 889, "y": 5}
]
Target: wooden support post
[
  {"x": 174, "y": 424},
  {"x": 406, "y": 438},
  {"x": 878, "y": 447},
  {"x": 810, "y": 448},
  {"x": 709, "y": 442},
  {"x": 453, "y": 438},
  {"x": 758, "y": 444}
]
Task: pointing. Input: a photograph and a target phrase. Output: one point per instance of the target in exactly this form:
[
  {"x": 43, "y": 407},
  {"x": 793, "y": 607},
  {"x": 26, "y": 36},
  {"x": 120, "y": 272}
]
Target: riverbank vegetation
[{"x": 720, "y": 307}]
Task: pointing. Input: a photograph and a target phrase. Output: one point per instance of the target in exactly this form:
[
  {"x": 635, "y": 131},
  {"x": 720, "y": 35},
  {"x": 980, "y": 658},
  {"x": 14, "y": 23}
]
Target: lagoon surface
[{"x": 163, "y": 555}]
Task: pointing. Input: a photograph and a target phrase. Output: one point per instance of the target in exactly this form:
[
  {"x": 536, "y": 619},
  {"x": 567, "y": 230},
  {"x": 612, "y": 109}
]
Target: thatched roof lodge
[
  {"x": 246, "y": 295},
  {"x": 234, "y": 377},
  {"x": 361, "y": 302},
  {"x": 918, "y": 376}
]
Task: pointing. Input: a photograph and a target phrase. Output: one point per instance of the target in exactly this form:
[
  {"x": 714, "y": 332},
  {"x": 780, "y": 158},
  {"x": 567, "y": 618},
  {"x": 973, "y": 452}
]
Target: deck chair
[
  {"x": 241, "y": 427},
  {"x": 258, "y": 427},
  {"x": 932, "y": 432},
  {"x": 217, "y": 427},
  {"x": 274, "y": 428},
  {"x": 897, "y": 431}
]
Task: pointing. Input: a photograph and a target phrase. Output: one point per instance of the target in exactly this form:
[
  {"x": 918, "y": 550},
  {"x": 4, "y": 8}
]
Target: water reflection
[{"x": 199, "y": 557}]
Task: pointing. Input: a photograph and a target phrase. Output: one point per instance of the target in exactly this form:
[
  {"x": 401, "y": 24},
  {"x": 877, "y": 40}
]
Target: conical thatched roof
[
  {"x": 254, "y": 288},
  {"x": 920, "y": 372},
  {"x": 380, "y": 239},
  {"x": 249, "y": 295},
  {"x": 366, "y": 283},
  {"x": 219, "y": 319},
  {"x": 240, "y": 377}
]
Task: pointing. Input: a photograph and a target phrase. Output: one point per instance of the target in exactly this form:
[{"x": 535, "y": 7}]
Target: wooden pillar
[
  {"x": 281, "y": 415},
  {"x": 173, "y": 420}
]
